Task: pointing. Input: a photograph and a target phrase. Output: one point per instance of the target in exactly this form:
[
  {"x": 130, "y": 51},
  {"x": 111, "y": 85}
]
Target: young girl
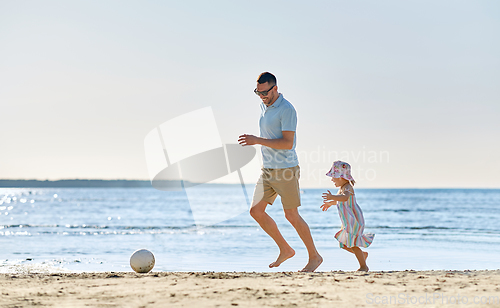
[{"x": 350, "y": 236}]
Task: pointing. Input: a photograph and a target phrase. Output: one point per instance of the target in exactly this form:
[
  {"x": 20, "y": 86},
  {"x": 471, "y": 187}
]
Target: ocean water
[{"x": 97, "y": 229}]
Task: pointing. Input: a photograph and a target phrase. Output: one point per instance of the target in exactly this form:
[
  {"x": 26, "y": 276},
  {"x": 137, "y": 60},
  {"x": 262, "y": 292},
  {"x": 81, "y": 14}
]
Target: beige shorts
[{"x": 274, "y": 182}]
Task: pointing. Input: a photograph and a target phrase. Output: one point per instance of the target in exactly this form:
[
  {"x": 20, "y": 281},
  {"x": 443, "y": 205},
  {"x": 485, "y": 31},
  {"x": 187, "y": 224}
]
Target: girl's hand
[
  {"x": 327, "y": 196},
  {"x": 327, "y": 205}
]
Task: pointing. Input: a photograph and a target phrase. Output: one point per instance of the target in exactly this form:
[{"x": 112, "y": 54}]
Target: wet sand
[{"x": 244, "y": 289}]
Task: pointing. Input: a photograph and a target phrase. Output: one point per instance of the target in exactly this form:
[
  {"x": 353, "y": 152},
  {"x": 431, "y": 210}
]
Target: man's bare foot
[
  {"x": 365, "y": 254},
  {"x": 313, "y": 264},
  {"x": 363, "y": 269},
  {"x": 284, "y": 255}
]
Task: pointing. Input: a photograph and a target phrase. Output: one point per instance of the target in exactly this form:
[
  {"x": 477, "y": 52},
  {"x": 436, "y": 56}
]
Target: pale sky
[{"x": 407, "y": 92}]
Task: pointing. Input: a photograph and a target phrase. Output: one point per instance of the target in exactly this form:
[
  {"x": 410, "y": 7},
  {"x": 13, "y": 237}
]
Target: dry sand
[{"x": 285, "y": 289}]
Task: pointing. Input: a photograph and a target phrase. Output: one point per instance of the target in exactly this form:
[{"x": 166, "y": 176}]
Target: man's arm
[{"x": 285, "y": 143}]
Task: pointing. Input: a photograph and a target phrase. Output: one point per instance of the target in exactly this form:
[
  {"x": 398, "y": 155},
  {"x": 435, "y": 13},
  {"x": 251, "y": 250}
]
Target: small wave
[
  {"x": 118, "y": 227},
  {"x": 413, "y": 228},
  {"x": 405, "y": 210},
  {"x": 79, "y": 230}
]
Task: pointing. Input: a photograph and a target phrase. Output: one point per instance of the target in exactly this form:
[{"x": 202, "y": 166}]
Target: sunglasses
[{"x": 263, "y": 93}]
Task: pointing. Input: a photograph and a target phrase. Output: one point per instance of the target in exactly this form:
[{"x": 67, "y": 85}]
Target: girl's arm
[
  {"x": 329, "y": 199},
  {"x": 342, "y": 197},
  {"x": 326, "y": 205}
]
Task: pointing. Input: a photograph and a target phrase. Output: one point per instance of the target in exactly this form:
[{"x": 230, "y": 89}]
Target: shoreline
[{"x": 476, "y": 288}]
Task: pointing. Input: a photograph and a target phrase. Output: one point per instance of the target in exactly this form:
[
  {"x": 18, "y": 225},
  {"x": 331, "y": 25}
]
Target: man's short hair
[{"x": 267, "y": 77}]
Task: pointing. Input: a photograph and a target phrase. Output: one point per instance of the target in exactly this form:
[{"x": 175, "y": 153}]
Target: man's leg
[
  {"x": 293, "y": 216},
  {"x": 258, "y": 212}
]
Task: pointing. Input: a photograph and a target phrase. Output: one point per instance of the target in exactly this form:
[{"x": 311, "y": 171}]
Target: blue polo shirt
[{"x": 279, "y": 117}]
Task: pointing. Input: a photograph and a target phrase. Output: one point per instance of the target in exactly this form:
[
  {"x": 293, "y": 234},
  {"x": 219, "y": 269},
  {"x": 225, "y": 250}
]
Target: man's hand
[
  {"x": 285, "y": 143},
  {"x": 248, "y": 140}
]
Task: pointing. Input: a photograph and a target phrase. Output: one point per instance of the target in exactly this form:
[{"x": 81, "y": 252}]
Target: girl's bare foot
[
  {"x": 363, "y": 269},
  {"x": 313, "y": 264},
  {"x": 284, "y": 255}
]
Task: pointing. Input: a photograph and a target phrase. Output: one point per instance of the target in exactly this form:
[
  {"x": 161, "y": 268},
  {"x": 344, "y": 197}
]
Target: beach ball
[{"x": 142, "y": 261}]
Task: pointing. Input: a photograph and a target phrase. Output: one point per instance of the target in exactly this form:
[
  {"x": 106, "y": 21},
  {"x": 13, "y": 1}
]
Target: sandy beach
[{"x": 244, "y": 289}]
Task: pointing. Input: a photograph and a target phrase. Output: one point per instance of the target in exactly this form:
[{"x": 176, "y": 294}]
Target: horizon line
[{"x": 47, "y": 181}]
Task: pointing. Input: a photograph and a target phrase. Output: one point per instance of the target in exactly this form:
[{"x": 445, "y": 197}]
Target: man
[{"x": 280, "y": 172}]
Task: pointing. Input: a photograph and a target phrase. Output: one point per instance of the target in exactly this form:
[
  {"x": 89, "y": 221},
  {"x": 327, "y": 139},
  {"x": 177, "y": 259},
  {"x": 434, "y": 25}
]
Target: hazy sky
[{"x": 408, "y": 92}]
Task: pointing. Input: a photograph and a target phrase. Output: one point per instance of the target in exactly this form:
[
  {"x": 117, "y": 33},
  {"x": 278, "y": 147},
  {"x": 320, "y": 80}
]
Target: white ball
[{"x": 142, "y": 261}]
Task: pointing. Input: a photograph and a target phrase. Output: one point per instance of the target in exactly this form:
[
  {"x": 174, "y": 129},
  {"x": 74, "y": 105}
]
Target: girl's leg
[
  {"x": 350, "y": 250},
  {"x": 361, "y": 256}
]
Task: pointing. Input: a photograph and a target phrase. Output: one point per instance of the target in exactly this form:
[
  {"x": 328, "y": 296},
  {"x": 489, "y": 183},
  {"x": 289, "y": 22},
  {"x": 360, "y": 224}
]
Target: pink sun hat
[{"x": 340, "y": 169}]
